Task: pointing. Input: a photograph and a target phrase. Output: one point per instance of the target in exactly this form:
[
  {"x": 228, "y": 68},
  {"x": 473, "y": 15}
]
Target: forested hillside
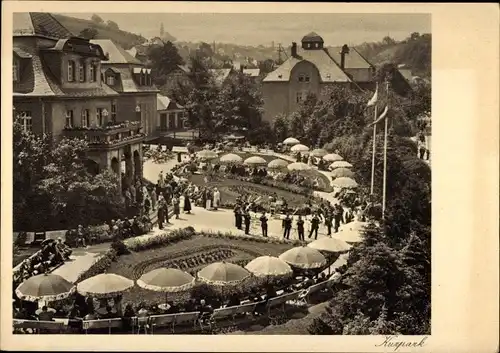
[
  {"x": 415, "y": 52},
  {"x": 98, "y": 29}
]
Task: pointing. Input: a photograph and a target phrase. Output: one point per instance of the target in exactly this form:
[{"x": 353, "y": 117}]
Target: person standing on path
[
  {"x": 247, "y": 217},
  {"x": 216, "y": 198},
  {"x": 314, "y": 227},
  {"x": 287, "y": 226},
  {"x": 165, "y": 209},
  {"x": 161, "y": 211},
  {"x": 176, "y": 204},
  {"x": 338, "y": 216},
  {"x": 263, "y": 224},
  {"x": 300, "y": 228},
  {"x": 237, "y": 216},
  {"x": 187, "y": 203},
  {"x": 153, "y": 199},
  {"x": 328, "y": 222}
]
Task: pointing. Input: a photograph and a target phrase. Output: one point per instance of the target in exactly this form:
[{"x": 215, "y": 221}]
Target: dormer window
[
  {"x": 71, "y": 71},
  {"x": 15, "y": 71},
  {"x": 110, "y": 80},
  {"x": 81, "y": 71}
]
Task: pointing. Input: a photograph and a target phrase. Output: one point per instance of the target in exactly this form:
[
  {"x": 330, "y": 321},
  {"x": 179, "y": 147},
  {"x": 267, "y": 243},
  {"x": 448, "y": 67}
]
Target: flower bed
[
  {"x": 152, "y": 241},
  {"x": 101, "y": 265},
  {"x": 190, "y": 253}
]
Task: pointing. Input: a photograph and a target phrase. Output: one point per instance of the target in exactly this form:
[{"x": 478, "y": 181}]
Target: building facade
[
  {"x": 311, "y": 69},
  {"x": 60, "y": 88},
  {"x": 170, "y": 115}
]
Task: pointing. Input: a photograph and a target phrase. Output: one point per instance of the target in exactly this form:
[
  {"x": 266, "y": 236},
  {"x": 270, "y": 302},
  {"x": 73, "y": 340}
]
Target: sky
[{"x": 263, "y": 29}]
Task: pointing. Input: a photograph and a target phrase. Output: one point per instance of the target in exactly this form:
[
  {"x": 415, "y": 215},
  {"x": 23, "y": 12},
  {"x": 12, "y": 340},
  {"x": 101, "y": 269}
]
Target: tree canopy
[
  {"x": 217, "y": 108},
  {"x": 54, "y": 189},
  {"x": 164, "y": 59},
  {"x": 386, "y": 287}
]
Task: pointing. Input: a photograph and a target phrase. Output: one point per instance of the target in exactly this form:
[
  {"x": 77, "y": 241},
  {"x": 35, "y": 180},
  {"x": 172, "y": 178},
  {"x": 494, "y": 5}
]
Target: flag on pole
[
  {"x": 382, "y": 116},
  {"x": 374, "y": 99}
]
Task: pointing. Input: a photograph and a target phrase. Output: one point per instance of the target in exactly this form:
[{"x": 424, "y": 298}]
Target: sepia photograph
[
  {"x": 225, "y": 172},
  {"x": 172, "y": 175}
]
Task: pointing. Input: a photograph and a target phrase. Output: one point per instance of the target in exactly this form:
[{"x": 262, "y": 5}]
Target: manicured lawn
[
  {"x": 230, "y": 189},
  {"x": 135, "y": 264}
]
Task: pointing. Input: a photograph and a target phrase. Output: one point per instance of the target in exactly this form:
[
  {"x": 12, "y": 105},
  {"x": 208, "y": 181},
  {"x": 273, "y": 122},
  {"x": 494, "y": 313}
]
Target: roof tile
[
  {"x": 39, "y": 23},
  {"x": 353, "y": 60}
]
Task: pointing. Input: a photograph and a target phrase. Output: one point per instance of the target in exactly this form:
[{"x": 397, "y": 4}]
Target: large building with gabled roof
[
  {"x": 61, "y": 87},
  {"x": 310, "y": 69}
]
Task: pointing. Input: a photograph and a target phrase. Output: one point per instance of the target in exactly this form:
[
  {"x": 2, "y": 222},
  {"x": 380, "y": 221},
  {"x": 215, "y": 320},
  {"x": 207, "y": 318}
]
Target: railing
[{"x": 108, "y": 136}]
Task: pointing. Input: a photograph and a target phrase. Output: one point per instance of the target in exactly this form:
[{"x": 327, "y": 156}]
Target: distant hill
[
  {"x": 415, "y": 52},
  {"x": 76, "y": 25}
]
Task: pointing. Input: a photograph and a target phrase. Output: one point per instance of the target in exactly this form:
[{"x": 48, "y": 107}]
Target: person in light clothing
[{"x": 216, "y": 198}]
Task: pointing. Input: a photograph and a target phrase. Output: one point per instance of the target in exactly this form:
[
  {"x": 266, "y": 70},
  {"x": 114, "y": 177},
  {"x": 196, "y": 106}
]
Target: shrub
[
  {"x": 319, "y": 327},
  {"x": 120, "y": 247}
]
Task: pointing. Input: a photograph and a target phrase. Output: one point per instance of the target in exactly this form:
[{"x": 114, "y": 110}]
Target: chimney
[
  {"x": 294, "y": 49},
  {"x": 343, "y": 52}
]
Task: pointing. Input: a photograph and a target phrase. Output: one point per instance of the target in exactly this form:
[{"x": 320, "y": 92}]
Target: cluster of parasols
[
  {"x": 341, "y": 171},
  {"x": 316, "y": 255}
]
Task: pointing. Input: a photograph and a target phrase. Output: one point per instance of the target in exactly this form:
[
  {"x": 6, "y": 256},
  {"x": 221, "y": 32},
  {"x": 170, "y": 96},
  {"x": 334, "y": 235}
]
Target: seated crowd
[
  {"x": 202, "y": 299},
  {"x": 52, "y": 254}
]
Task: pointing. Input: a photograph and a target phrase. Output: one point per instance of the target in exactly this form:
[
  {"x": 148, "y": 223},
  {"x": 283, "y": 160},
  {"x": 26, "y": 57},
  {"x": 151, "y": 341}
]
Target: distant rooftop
[
  {"x": 117, "y": 55},
  {"x": 312, "y": 37}
]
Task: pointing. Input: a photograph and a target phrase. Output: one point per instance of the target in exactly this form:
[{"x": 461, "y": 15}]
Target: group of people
[
  {"x": 139, "y": 198},
  {"x": 52, "y": 253},
  {"x": 330, "y": 215}
]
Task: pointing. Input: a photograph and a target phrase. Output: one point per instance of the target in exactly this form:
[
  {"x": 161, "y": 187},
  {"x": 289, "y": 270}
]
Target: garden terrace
[
  {"x": 231, "y": 189},
  {"x": 191, "y": 255}
]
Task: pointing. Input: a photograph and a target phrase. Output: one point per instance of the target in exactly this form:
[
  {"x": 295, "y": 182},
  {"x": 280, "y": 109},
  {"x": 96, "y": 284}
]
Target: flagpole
[
  {"x": 375, "y": 116},
  {"x": 384, "y": 189},
  {"x": 373, "y": 151}
]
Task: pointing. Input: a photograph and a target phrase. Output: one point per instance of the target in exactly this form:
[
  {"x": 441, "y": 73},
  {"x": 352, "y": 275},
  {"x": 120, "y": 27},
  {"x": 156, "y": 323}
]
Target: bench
[
  {"x": 280, "y": 302},
  {"x": 165, "y": 320},
  {"x": 185, "y": 318},
  {"x": 40, "y": 326},
  {"x": 231, "y": 313},
  {"x": 39, "y": 237},
  {"x": 306, "y": 293},
  {"x": 101, "y": 324}
]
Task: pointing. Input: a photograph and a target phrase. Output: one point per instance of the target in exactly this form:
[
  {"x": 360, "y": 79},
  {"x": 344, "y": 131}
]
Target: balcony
[{"x": 108, "y": 137}]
